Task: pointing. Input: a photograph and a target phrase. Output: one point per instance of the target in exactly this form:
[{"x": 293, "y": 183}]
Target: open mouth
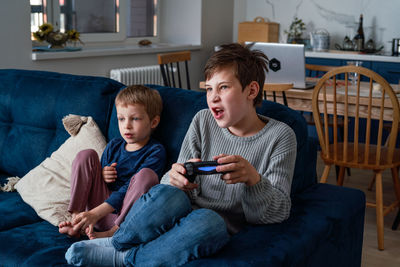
[{"x": 218, "y": 112}]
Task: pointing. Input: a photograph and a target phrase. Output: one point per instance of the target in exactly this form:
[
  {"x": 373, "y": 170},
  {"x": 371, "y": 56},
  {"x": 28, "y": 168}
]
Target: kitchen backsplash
[{"x": 339, "y": 17}]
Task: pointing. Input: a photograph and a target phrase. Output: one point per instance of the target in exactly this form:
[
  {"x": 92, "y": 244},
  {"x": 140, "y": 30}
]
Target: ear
[
  {"x": 154, "y": 122},
  {"x": 254, "y": 88}
]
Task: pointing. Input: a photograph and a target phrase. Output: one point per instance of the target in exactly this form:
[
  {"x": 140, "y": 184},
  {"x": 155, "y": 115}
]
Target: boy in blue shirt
[{"x": 102, "y": 192}]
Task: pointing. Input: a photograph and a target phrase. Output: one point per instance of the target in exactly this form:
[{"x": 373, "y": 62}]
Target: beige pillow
[{"x": 47, "y": 187}]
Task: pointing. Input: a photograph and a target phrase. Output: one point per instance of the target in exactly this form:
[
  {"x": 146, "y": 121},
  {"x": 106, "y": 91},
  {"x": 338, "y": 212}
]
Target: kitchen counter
[{"x": 352, "y": 55}]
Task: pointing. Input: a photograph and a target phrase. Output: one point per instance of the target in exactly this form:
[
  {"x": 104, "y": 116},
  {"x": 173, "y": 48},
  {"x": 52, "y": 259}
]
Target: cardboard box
[{"x": 258, "y": 31}]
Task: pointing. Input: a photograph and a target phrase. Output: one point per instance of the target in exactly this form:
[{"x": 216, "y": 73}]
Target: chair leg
[
  {"x": 396, "y": 182},
  {"x": 325, "y": 174},
  {"x": 337, "y": 168},
  {"x": 341, "y": 176},
  {"x": 379, "y": 210},
  {"x": 371, "y": 184},
  {"x": 396, "y": 221}
]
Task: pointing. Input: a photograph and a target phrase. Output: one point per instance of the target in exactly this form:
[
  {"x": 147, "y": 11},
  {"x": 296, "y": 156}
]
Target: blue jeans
[{"x": 161, "y": 229}]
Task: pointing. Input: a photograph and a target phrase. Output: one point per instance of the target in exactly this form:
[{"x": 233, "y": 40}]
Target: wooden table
[{"x": 301, "y": 100}]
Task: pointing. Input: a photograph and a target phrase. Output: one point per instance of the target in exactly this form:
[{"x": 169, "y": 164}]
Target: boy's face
[
  {"x": 135, "y": 125},
  {"x": 228, "y": 102}
]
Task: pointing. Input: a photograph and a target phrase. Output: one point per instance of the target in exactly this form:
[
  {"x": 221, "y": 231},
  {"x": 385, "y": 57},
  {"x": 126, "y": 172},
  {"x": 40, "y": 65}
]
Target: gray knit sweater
[{"x": 272, "y": 151}]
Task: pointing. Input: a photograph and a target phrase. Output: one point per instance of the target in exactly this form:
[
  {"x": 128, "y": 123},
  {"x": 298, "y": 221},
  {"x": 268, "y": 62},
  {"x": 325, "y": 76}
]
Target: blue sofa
[{"x": 325, "y": 227}]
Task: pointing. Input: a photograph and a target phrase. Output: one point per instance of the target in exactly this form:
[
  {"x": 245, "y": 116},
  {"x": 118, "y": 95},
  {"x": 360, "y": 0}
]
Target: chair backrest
[
  {"x": 277, "y": 87},
  {"x": 169, "y": 72},
  {"x": 317, "y": 71},
  {"x": 360, "y": 103}
]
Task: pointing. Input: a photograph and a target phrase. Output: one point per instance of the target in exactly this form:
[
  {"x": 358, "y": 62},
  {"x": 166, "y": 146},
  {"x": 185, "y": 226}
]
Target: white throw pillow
[{"x": 47, "y": 187}]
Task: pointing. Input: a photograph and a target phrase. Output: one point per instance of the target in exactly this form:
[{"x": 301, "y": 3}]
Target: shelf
[{"x": 112, "y": 51}]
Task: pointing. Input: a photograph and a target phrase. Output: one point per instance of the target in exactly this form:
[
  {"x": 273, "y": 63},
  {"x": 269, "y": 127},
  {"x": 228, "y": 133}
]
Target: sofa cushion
[
  {"x": 32, "y": 104},
  {"x": 320, "y": 227},
  {"x": 37, "y": 244},
  {"x": 15, "y": 212},
  {"x": 46, "y": 188}
]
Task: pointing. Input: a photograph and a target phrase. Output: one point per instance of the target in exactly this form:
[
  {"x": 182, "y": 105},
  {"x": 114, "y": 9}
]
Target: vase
[
  {"x": 57, "y": 40},
  {"x": 295, "y": 40}
]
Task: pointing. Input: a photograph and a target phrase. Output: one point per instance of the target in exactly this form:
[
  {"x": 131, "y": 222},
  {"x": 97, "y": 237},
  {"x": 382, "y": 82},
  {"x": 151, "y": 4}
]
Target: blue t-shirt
[{"x": 152, "y": 156}]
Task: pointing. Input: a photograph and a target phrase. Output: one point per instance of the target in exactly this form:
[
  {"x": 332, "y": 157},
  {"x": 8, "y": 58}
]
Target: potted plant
[
  {"x": 56, "y": 39},
  {"x": 295, "y": 32}
]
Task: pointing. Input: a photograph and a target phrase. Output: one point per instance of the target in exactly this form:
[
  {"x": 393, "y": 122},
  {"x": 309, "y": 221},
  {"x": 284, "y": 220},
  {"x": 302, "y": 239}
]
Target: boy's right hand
[
  {"x": 177, "y": 178},
  {"x": 110, "y": 173}
]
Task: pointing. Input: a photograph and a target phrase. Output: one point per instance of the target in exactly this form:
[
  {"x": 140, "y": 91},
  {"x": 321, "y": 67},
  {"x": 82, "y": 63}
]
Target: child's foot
[
  {"x": 108, "y": 233},
  {"x": 66, "y": 228}
]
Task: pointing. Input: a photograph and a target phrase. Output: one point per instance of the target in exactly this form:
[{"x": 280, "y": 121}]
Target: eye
[
  {"x": 135, "y": 118},
  {"x": 121, "y": 119},
  {"x": 224, "y": 86},
  {"x": 208, "y": 89}
]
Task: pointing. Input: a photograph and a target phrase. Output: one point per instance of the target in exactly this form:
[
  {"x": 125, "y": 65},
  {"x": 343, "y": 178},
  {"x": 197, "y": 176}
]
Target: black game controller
[{"x": 202, "y": 167}]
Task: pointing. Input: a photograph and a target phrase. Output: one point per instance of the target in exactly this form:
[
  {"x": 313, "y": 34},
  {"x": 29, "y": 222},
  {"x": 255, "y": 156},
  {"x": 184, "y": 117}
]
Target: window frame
[{"x": 52, "y": 12}]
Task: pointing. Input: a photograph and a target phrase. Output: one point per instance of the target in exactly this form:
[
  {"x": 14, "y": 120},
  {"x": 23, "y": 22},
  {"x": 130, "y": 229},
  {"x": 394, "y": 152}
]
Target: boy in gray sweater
[{"x": 256, "y": 156}]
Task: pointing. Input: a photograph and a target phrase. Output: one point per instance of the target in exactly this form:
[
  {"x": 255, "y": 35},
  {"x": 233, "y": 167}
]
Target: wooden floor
[{"x": 371, "y": 255}]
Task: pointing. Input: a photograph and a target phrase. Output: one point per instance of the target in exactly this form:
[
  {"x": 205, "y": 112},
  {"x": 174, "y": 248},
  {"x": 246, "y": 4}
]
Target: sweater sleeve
[{"x": 269, "y": 200}]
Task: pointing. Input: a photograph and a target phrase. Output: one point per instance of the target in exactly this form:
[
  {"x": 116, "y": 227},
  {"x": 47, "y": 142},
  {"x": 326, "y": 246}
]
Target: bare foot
[
  {"x": 66, "y": 228},
  {"x": 108, "y": 233}
]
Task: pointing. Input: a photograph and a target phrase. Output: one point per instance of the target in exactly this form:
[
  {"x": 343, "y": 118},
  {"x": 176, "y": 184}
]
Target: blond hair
[{"x": 140, "y": 94}]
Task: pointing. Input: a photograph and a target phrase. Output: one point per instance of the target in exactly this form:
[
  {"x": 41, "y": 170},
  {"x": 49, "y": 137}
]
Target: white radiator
[{"x": 138, "y": 75}]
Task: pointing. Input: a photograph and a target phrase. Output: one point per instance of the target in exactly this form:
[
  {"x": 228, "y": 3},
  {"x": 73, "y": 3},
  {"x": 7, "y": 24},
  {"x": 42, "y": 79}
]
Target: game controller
[{"x": 201, "y": 167}]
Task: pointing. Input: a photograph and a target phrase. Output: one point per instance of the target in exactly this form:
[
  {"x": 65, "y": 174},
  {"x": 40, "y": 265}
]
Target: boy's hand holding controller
[
  {"x": 177, "y": 176},
  {"x": 236, "y": 169},
  {"x": 110, "y": 173}
]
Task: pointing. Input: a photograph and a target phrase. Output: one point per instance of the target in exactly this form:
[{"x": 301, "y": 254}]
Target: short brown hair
[
  {"x": 140, "y": 94},
  {"x": 249, "y": 65}
]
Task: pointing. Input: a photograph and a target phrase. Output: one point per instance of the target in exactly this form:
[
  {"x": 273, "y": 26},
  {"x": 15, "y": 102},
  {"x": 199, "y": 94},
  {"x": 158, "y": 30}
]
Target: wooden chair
[
  {"x": 372, "y": 154},
  {"x": 170, "y": 67},
  {"x": 317, "y": 71},
  {"x": 277, "y": 87}
]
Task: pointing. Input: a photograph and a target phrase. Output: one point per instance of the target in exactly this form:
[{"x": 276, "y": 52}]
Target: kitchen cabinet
[{"x": 390, "y": 70}]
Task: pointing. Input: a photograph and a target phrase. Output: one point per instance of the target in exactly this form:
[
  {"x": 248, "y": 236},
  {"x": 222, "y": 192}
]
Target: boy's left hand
[{"x": 237, "y": 170}]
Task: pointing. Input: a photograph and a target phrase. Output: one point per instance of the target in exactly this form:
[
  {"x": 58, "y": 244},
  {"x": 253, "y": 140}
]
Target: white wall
[
  {"x": 204, "y": 22},
  {"x": 185, "y": 27},
  {"x": 381, "y": 18}
]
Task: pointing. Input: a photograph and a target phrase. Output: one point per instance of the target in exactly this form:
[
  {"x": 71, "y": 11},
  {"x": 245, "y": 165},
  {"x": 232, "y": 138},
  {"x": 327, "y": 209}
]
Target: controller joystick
[{"x": 202, "y": 167}]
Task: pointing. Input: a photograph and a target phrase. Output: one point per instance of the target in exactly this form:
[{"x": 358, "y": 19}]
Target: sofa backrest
[
  {"x": 180, "y": 106},
  {"x": 32, "y": 105}
]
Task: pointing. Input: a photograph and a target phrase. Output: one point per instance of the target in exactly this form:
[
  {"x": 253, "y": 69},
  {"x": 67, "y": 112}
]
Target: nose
[
  {"x": 213, "y": 96},
  {"x": 127, "y": 124}
]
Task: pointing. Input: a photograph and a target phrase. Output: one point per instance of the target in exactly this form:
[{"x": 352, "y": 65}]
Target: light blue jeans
[{"x": 161, "y": 229}]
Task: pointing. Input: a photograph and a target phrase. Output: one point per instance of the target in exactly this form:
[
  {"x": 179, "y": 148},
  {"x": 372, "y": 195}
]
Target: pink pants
[{"x": 89, "y": 190}]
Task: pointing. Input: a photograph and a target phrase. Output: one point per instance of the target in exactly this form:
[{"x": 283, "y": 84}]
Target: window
[{"x": 99, "y": 20}]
